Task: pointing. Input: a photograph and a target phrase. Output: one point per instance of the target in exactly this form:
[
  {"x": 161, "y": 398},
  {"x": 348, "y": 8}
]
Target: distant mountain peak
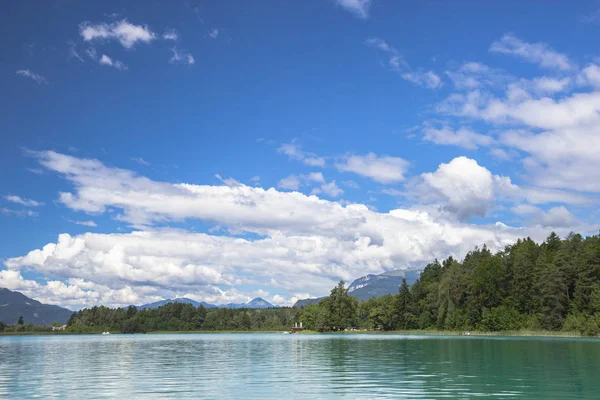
[
  {"x": 258, "y": 302},
  {"x": 15, "y": 305},
  {"x": 372, "y": 285}
]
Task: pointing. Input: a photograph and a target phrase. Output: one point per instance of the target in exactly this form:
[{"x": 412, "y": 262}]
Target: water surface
[{"x": 275, "y": 366}]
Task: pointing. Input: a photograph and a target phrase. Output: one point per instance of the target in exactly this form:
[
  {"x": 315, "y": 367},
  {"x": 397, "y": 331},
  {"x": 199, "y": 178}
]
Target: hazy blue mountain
[
  {"x": 305, "y": 302},
  {"x": 15, "y": 304},
  {"x": 184, "y": 300},
  {"x": 256, "y": 303},
  {"x": 373, "y": 285}
]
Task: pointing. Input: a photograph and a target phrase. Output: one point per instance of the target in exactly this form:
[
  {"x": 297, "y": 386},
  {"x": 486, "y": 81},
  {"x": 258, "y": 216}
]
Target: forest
[{"x": 551, "y": 286}]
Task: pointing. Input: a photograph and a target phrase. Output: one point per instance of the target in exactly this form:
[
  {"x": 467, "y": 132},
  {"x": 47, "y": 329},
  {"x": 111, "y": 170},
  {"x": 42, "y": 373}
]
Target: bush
[
  {"x": 132, "y": 326},
  {"x": 501, "y": 318},
  {"x": 574, "y": 323}
]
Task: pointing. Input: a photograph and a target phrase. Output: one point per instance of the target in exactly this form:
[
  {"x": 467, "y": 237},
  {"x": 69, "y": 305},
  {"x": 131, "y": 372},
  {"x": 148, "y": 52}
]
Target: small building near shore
[{"x": 297, "y": 327}]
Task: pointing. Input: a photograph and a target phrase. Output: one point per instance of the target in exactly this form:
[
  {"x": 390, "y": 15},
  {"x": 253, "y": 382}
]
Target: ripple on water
[{"x": 296, "y": 367}]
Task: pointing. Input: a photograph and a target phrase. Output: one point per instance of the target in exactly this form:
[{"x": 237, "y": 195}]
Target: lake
[{"x": 276, "y": 366}]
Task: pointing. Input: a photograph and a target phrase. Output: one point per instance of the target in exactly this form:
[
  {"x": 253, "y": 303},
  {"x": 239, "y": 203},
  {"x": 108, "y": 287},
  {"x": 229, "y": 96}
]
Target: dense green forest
[
  {"x": 182, "y": 317},
  {"x": 550, "y": 286}
]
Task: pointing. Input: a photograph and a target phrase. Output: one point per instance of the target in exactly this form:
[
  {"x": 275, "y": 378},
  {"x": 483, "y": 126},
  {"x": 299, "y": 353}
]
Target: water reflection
[{"x": 297, "y": 366}]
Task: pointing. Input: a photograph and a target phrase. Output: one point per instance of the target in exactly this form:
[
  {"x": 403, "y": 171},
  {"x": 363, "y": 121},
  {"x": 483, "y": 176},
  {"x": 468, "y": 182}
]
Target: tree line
[
  {"x": 181, "y": 317},
  {"x": 551, "y": 286},
  {"x": 554, "y": 285}
]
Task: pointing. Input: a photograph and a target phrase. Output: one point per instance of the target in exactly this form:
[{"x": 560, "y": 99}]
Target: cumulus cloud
[
  {"x": 32, "y": 75},
  {"x": 304, "y": 244},
  {"x": 553, "y": 127},
  {"x": 466, "y": 188},
  {"x": 382, "y": 169},
  {"x": 294, "y": 151},
  {"x": 23, "y": 201},
  {"x": 360, "y": 8},
  {"x": 538, "y": 53},
  {"x": 126, "y": 33}
]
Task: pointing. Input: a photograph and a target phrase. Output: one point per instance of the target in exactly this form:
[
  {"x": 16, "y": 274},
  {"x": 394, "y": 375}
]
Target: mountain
[
  {"x": 372, "y": 285},
  {"x": 15, "y": 304},
  {"x": 255, "y": 303},
  {"x": 184, "y": 300},
  {"x": 260, "y": 303}
]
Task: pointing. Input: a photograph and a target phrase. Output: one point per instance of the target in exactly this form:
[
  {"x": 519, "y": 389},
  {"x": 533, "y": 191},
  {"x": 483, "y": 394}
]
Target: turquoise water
[{"x": 275, "y": 366}]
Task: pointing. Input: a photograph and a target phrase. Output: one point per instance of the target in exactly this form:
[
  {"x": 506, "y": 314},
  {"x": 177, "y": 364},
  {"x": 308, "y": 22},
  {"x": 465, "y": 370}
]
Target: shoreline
[{"x": 521, "y": 333}]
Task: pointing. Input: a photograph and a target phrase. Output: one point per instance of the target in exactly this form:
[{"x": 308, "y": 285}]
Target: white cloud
[
  {"x": 473, "y": 75},
  {"x": 294, "y": 151},
  {"x": 23, "y": 201},
  {"x": 428, "y": 79},
  {"x": 291, "y": 182},
  {"x": 140, "y": 161},
  {"x": 590, "y": 75},
  {"x": 295, "y": 182},
  {"x": 106, "y": 60},
  {"x": 126, "y": 33},
  {"x": 182, "y": 57},
  {"x": 396, "y": 63},
  {"x": 332, "y": 189},
  {"x": 551, "y": 85},
  {"x": 73, "y": 51},
  {"x": 466, "y": 188},
  {"x": 89, "y": 223},
  {"x": 19, "y": 213},
  {"x": 32, "y": 75},
  {"x": 351, "y": 184},
  {"x": 171, "y": 34},
  {"x": 214, "y": 33},
  {"x": 556, "y": 217},
  {"x": 539, "y": 53},
  {"x": 383, "y": 169},
  {"x": 525, "y": 209},
  {"x": 360, "y": 8},
  {"x": 305, "y": 244},
  {"x": 463, "y": 137},
  {"x": 557, "y": 135}
]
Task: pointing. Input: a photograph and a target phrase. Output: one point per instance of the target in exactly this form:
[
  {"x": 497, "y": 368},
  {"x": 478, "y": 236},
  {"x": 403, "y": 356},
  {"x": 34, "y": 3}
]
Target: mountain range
[
  {"x": 14, "y": 305},
  {"x": 255, "y": 303},
  {"x": 371, "y": 285}
]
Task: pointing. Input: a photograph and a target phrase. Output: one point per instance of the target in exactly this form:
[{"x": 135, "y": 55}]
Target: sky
[{"x": 227, "y": 150}]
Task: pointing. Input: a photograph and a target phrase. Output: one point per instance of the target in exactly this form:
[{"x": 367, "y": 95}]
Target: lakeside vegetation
[
  {"x": 546, "y": 289},
  {"x": 553, "y": 286}
]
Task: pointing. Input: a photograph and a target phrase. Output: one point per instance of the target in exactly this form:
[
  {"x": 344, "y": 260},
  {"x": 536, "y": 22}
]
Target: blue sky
[{"x": 227, "y": 150}]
